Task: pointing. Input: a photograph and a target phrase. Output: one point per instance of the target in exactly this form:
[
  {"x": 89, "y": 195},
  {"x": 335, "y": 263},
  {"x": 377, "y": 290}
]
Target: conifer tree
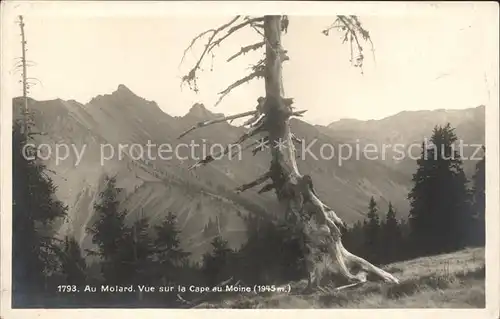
[
  {"x": 109, "y": 233},
  {"x": 391, "y": 236},
  {"x": 440, "y": 210},
  {"x": 217, "y": 264},
  {"x": 137, "y": 254},
  {"x": 372, "y": 232},
  {"x": 354, "y": 239},
  {"x": 34, "y": 210},
  {"x": 168, "y": 254},
  {"x": 73, "y": 265},
  {"x": 273, "y": 252},
  {"x": 478, "y": 232}
]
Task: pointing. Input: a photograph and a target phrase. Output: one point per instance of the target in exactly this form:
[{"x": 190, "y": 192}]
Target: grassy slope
[{"x": 445, "y": 281}]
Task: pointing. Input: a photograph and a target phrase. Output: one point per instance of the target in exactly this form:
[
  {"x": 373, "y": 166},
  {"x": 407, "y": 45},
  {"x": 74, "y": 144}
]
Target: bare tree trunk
[
  {"x": 318, "y": 222},
  {"x": 25, "y": 127}
]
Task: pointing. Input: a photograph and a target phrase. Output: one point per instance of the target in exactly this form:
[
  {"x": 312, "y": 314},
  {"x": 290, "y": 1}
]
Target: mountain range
[
  {"x": 204, "y": 199},
  {"x": 411, "y": 128}
]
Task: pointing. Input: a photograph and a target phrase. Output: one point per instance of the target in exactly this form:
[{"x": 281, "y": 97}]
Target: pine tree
[
  {"x": 211, "y": 229},
  {"x": 169, "y": 255},
  {"x": 109, "y": 233},
  {"x": 354, "y": 239},
  {"x": 34, "y": 210},
  {"x": 391, "y": 236},
  {"x": 137, "y": 255},
  {"x": 217, "y": 265},
  {"x": 479, "y": 199},
  {"x": 372, "y": 232},
  {"x": 405, "y": 251},
  {"x": 439, "y": 200},
  {"x": 73, "y": 265},
  {"x": 252, "y": 268},
  {"x": 273, "y": 252}
]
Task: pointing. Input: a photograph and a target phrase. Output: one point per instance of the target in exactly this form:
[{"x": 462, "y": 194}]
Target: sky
[{"x": 447, "y": 59}]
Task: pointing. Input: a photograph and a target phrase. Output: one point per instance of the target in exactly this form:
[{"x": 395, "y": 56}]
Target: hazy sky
[{"x": 422, "y": 61}]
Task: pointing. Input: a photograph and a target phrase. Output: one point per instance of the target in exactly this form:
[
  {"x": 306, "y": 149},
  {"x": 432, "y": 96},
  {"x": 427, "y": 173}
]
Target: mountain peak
[
  {"x": 120, "y": 95},
  {"x": 123, "y": 89},
  {"x": 200, "y": 111}
]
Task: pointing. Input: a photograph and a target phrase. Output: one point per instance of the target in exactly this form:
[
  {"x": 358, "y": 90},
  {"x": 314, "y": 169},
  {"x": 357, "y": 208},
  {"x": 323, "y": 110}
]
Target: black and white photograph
[{"x": 249, "y": 155}]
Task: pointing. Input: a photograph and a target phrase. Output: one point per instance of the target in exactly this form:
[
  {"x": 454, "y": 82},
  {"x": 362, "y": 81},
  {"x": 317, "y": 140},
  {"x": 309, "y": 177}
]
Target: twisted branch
[
  {"x": 246, "y": 49},
  {"x": 234, "y": 29},
  {"x": 190, "y": 78},
  {"x": 352, "y": 30},
  {"x": 210, "y": 122},
  {"x": 259, "y": 72},
  {"x": 256, "y": 182},
  {"x": 211, "y": 157}
]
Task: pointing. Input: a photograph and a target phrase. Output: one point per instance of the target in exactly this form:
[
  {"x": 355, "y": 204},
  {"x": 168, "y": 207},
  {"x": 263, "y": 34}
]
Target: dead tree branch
[
  {"x": 255, "y": 74},
  {"x": 211, "y": 157},
  {"x": 232, "y": 30},
  {"x": 210, "y": 122},
  {"x": 210, "y": 45},
  {"x": 246, "y": 49},
  {"x": 296, "y": 139},
  {"x": 298, "y": 113},
  {"x": 256, "y": 182},
  {"x": 267, "y": 188},
  {"x": 190, "y": 78},
  {"x": 352, "y": 28}
]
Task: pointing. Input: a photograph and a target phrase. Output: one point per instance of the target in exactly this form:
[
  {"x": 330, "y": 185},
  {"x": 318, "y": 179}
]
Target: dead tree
[
  {"x": 300, "y": 204},
  {"x": 24, "y": 79},
  {"x": 27, "y": 82}
]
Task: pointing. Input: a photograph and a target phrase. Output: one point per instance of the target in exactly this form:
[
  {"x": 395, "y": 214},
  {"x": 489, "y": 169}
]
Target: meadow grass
[{"x": 453, "y": 280}]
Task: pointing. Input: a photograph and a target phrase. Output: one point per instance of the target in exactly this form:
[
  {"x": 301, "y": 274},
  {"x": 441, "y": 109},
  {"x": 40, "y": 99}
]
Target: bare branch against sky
[{"x": 423, "y": 61}]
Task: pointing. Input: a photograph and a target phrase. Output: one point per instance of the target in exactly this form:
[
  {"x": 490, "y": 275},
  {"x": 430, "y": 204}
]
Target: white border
[{"x": 11, "y": 9}]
